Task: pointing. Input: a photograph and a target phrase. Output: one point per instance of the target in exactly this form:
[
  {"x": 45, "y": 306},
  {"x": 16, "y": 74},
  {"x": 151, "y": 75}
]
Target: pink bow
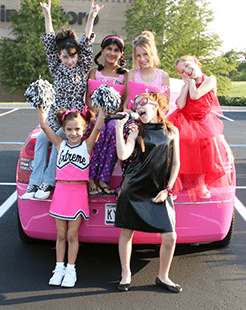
[
  {"x": 84, "y": 111},
  {"x": 68, "y": 112}
]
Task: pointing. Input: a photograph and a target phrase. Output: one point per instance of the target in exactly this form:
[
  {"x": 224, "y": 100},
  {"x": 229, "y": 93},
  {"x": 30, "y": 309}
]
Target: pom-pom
[
  {"x": 106, "y": 97},
  {"x": 40, "y": 94}
]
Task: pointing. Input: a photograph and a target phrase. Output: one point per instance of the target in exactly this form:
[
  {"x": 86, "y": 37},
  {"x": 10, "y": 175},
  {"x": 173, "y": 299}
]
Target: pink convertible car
[{"x": 202, "y": 221}]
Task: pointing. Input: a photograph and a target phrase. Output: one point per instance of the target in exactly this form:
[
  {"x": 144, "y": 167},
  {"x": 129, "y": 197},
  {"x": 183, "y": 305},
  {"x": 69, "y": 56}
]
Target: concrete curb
[
  {"x": 233, "y": 109},
  {"x": 13, "y": 105}
]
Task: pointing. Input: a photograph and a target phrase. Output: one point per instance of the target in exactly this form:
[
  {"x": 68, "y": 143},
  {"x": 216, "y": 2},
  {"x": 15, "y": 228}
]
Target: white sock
[
  {"x": 58, "y": 264},
  {"x": 71, "y": 266}
]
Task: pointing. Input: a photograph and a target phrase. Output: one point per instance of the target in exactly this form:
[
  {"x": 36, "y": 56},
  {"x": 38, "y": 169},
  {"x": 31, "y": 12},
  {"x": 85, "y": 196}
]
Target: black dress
[{"x": 146, "y": 175}]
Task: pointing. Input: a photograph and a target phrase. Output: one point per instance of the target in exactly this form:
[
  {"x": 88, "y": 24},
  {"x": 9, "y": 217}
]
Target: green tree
[
  {"x": 22, "y": 59},
  {"x": 180, "y": 27},
  {"x": 239, "y": 59}
]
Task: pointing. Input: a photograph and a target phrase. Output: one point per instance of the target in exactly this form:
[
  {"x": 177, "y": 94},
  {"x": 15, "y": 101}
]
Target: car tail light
[{"x": 25, "y": 163}]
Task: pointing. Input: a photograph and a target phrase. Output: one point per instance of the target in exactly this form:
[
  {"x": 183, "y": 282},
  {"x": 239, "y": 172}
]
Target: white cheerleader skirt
[{"x": 69, "y": 201}]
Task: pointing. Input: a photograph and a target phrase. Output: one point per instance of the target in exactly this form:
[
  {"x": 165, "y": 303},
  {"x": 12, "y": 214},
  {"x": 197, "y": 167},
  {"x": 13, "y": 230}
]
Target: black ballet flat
[
  {"x": 173, "y": 288},
  {"x": 124, "y": 287}
]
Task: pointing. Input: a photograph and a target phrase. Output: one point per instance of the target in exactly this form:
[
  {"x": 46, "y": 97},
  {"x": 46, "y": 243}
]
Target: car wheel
[
  {"x": 22, "y": 234},
  {"x": 228, "y": 238}
]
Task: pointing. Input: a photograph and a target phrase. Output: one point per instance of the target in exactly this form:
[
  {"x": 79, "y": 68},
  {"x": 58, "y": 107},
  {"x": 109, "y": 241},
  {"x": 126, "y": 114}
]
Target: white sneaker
[
  {"x": 44, "y": 191},
  {"x": 57, "y": 277},
  {"x": 30, "y": 192},
  {"x": 70, "y": 278}
]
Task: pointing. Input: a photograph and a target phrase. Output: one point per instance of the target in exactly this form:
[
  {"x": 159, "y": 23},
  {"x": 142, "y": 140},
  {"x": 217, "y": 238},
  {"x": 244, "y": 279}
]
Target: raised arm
[
  {"x": 91, "y": 141},
  {"x": 94, "y": 10},
  {"x": 47, "y": 15},
  {"x": 208, "y": 84},
  {"x": 88, "y": 95},
  {"x": 182, "y": 99},
  {"x": 51, "y": 135},
  {"x": 124, "y": 149}
]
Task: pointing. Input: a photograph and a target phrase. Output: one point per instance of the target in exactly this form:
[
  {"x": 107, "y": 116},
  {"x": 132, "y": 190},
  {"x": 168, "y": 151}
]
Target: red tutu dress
[{"x": 203, "y": 149}]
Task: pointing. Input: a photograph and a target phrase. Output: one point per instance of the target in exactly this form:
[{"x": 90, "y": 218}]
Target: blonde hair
[
  {"x": 146, "y": 40},
  {"x": 188, "y": 58}
]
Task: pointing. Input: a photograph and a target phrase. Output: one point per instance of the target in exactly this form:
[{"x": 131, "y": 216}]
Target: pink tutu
[{"x": 69, "y": 201}]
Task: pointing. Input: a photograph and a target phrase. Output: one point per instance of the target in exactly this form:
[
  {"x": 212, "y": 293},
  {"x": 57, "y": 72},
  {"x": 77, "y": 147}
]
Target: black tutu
[{"x": 145, "y": 177}]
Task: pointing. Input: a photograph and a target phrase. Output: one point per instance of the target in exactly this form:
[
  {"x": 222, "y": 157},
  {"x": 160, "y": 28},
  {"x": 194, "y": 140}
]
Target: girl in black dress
[{"x": 145, "y": 200}]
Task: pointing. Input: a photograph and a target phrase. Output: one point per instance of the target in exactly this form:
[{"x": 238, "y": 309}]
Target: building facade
[{"x": 110, "y": 20}]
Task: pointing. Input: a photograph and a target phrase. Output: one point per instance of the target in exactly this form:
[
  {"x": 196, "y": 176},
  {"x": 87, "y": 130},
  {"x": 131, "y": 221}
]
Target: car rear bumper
[{"x": 196, "y": 222}]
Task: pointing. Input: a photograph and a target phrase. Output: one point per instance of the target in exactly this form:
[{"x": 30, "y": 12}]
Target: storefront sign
[{"x": 74, "y": 17}]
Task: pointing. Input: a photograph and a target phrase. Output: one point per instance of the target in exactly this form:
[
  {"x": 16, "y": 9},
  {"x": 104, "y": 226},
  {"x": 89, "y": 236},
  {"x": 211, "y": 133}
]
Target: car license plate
[{"x": 110, "y": 210}]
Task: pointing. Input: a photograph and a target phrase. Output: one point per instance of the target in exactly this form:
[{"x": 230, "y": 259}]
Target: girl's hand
[
  {"x": 94, "y": 10},
  {"x": 161, "y": 196},
  {"x": 186, "y": 80},
  {"x": 121, "y": 122},
  {"x": 96, "y": 110},
  {"x": 46, "y": 8},
  {"x": 100, "y": 117},
  {"x": 127, "y": 110},
  {"x": 101, "y": 113}
]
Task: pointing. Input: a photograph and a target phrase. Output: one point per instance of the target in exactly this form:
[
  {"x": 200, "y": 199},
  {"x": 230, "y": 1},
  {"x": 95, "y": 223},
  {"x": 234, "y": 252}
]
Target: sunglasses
[{"x": 142, "y": 102}]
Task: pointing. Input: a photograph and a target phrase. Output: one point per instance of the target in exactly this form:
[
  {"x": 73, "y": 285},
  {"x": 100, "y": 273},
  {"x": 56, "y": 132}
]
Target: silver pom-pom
[
  {"x": 40, "y": 94},
  {"x": 106, "y": 97}
]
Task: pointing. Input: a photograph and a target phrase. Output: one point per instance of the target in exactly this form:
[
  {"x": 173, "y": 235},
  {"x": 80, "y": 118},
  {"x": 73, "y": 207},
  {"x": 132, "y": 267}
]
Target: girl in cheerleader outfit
[
  {"x": 112, "y": 73},
  {"x": 69, "y": 63},
  {"x": 201, "y": 149},
  {"x": 70, "y": 199},
  {"x": 145, "y": 201}
]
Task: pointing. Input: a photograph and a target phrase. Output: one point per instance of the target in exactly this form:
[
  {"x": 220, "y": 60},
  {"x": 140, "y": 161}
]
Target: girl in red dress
[{"x": 201, "y": 150}]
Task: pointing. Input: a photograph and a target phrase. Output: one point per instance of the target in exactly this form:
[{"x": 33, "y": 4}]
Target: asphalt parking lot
[{"x": 211, "y": 278}]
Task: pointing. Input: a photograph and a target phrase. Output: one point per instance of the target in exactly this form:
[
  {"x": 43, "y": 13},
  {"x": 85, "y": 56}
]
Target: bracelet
[{"x": 168, "y": 188}]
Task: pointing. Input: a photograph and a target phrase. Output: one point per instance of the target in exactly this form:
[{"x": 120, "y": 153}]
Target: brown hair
[
  {"x": 163, "y": 109},
  {"x": 66, "y": 39},
  {"x": 146, "y": 40},
  {"x": 188, "y": 58},
  {"x": 86, "y": 117}
]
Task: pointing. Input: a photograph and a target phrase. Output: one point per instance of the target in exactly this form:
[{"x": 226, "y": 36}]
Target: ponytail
[
  {"x": 99, "y": 66},
  {"x": 65, "y": 115},
  {"x": 122, "y": 63},
  {"x": 66, "y": 39}
]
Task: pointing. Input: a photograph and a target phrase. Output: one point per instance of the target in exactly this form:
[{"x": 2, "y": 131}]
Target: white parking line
[
  {"x": 8, "y": 203},
  {"x": 237, "y": 145},
  {"x": 227, "y": 118},
  {"x": 223, "y": 116},
  {"x": 240, "y": 208},
  {"x": 5, "y": 113},
  {"x": 12, "y": 142}
]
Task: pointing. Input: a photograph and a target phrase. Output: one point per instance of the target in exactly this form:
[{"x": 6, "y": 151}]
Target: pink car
[{"x": 204, "y": 221}]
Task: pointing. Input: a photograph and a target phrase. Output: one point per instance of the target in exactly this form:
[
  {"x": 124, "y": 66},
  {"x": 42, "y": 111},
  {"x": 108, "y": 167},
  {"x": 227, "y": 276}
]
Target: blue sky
[{"x": 229, "y": 23}]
